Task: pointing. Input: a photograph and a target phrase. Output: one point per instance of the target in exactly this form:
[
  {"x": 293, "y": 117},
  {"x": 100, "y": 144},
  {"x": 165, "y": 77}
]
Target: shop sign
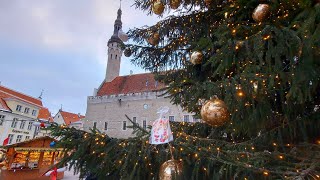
[
  {"x": 20, "y": 149},
  {"x": 18, "y": 131}
]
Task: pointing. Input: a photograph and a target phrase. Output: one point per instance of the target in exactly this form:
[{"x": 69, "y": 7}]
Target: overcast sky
[{"x": 60, "y": 46}]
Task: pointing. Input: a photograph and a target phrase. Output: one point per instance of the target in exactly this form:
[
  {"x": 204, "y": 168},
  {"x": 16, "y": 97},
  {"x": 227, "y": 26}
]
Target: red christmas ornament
[{"x": 42, "y": 125}]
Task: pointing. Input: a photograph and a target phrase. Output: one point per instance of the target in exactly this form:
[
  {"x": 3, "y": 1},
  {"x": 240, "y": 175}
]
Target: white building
[
  {"x": 18, "y": 113},
  {"x": 134, "y": 95},
  {"x": 69, "y": 119}
]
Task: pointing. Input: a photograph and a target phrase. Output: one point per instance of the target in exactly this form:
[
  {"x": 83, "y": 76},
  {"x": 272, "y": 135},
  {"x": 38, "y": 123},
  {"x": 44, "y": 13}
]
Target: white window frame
[
  {"x": 171, "y": 118},
  {"x": 95, "y": 125},
  {"x": 26, "y": 110},
  {"x": 105, "y": 126},
  {"x": 124, "y": 125},
  {"x": 134, "y": 119},
  {"x": 186, "y": 118},
  {"x": 27, "y": 138},
  {"x": 19, "y": 138},
  {"x": 2, "y": 119},
  {"x": 18, "y": 108},
  {"x": 34, "y": 112},
  {"x": 10, "y": 136},
  {"x": 194, "y": 118},
  {"x": 22, "y": 124},
  {"x": 14, "y": 122},
  {"x": 144, "y": 124},
  {"x": 30, "y": 125}
]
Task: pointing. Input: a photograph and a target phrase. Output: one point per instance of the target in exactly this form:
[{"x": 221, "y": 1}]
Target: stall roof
[{"x": 31, "y": 140}]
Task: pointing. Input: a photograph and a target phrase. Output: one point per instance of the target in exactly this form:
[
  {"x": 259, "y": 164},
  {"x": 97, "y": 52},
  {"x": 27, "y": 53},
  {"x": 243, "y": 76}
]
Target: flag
[
  {"x": 6, "y": 141},
  {"x": 54, "y": 174}
]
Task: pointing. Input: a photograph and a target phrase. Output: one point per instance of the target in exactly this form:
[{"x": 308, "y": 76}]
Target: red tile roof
[
  {"x": 3, "y": 104},
  {"x": 9, "y": 93},
  {"x": 70, "y": 117},
  {"x": 44, "y": 113},
  {"x": 21, "y": 96},
  {"x": 130, "y": 84}
]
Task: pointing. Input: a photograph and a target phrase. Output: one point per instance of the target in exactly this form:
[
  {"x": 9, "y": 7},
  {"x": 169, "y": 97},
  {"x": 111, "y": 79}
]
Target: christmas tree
[{"x": 254, "y": 65}]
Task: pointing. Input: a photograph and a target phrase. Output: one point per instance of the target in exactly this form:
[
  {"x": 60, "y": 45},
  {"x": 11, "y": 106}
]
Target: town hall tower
[{"x": 114, "y": 51}]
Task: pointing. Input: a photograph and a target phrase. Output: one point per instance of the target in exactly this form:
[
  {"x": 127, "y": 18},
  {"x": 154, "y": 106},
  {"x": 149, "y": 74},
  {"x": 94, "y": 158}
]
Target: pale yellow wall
[{"x": 12, "y": 104}]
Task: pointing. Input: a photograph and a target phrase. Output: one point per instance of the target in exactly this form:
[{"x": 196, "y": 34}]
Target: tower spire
[
  {"x": 117, "y": 27},
  {"x": 114, "y": 50}
]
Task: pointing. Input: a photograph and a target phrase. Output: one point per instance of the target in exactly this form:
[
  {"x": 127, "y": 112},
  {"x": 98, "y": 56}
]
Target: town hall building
[{"x": 135, "y": 96}]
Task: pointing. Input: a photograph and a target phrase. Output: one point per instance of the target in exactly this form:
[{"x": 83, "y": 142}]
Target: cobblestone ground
[{"x": 68, "y": 175}]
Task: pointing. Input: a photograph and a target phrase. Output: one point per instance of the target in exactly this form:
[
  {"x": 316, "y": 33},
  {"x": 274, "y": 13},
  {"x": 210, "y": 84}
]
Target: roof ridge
[
  {"x": 135, "y": 74},
  {"x": 21, "y": 99},
  {"x": 19, "y": 92},
  {"x": 71, "y": 112}
]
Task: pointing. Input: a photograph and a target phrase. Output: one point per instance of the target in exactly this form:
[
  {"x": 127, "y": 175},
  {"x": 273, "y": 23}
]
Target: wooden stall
[{"x": 29, "y": 160}]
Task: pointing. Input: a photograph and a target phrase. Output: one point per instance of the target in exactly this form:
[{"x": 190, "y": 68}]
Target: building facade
[
  {"x": 133, "y": 96},
  {"x": 18, "y": 113},
  {"x": 69, "y": 119}
]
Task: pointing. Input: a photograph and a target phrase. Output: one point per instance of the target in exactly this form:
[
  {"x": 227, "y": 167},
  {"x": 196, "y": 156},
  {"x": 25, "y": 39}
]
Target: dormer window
[{"x": 18, "y": 108}]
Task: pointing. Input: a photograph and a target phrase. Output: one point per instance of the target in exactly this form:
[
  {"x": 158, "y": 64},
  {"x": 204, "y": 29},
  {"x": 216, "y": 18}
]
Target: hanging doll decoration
[{"x": 161, "y": 131}]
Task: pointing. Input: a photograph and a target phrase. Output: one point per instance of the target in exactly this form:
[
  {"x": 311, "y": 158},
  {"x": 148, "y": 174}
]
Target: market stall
[{"x": 29, "y": 160}]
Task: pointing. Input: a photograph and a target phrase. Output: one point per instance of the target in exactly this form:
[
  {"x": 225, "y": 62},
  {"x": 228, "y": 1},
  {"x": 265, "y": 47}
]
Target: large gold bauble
[
  {"x": 215, "y": 112},
  {"x": 261, "y": 12},
  {"x": 174, "y": 4},
  {"x": 171, "y": 169},
  {"x": 158, "y": 7},
  {"x": 154, "y": 39},
  {"x": 196, "y": 57}
]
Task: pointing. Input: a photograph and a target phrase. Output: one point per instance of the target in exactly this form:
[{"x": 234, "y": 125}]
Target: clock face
[{"x": 145, "y": 106}]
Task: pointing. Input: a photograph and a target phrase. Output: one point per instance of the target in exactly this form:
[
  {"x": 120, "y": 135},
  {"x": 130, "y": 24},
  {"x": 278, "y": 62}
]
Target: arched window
[
  {"x": 116, "y": 56},
  {"x": 111, "y": 56}
]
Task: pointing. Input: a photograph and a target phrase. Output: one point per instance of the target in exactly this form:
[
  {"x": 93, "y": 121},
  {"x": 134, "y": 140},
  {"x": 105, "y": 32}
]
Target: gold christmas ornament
[
  {"x": 170, "y": 170},
  {"x": 208, "y": 2},
  {"x": 127, "y": 52},
  {"x": 215, "y": 112},
  {"x": 158, "y": 7},
  {"x": 174, "y": 4},
  {"x": 261, "y": 12},
  {"x": 154, "y": 39},
  {"x": 196, "y": 57}
]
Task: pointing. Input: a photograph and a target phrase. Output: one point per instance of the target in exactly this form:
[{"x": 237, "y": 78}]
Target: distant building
[
  {"x": 18, "y": 113},
  {"x": 136, "y": 96},
  {"x": 69, "y": 119}
]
